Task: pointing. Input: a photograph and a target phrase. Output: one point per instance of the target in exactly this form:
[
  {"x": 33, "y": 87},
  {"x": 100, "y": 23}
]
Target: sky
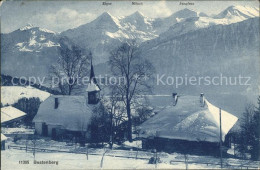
[{"x": 59, "y": 16}]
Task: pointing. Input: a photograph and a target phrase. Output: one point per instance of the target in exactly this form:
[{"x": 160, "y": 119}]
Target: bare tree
[
  {"x": 116, "y": 113},
  {"x": 99, "y": 126},
  {"x": 70, "y": 67},
  {"x": 133, "y": 72},
  {"x": 143, "y": 111},
  {"x": 248, "y": 137},
  {"x": 83, "y": 127}
]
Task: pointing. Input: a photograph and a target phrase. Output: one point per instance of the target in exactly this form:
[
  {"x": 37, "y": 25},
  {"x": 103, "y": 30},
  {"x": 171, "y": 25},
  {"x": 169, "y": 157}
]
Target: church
[{"x": 59, "y": 115}]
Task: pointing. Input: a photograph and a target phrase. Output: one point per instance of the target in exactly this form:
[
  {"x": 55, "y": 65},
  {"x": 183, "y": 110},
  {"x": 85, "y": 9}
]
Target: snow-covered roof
[
  {"x": 3, "y": 137},
  {"x": 11, "y": 94},
  {"x": 16, "y": 131},
  {"x": 92, "y": 87},
  {"x": 73, "y": 113},
  {"x": 9, "y": 113},
  {"x": 187, "y": 120}
]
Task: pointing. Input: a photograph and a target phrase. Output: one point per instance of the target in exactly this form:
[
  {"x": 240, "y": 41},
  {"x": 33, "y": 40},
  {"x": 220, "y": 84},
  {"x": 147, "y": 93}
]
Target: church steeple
[
  {"x": 92, "y": 74},
  {"x": 93, "y": 87}
]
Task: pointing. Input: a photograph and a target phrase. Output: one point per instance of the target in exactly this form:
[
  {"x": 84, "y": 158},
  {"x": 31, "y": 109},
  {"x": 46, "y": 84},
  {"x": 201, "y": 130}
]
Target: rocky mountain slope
[
  {"x": 28, "y": 51},
  {"x": 231, "y": 50}
]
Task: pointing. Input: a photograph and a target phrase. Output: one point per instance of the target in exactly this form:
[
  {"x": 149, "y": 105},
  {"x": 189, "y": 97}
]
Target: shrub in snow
[{"x": 154, "y": 160}]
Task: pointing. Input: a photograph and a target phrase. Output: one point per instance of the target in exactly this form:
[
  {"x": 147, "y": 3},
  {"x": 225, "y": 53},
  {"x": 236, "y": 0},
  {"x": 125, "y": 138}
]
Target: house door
[
  {"x": 44, "y": 129},
  {"x": 53, "y": 133}
]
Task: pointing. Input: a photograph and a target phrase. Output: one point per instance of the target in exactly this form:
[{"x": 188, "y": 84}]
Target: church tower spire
[{"x": 93, "y": 87}]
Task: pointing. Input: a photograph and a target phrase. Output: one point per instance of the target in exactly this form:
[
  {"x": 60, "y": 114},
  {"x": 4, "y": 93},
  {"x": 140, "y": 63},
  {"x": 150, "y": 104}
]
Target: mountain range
[
  {"x": 28, "y": 51},
  {"x": 186, "y": 42},
  {"x": 230, "y": 50}
]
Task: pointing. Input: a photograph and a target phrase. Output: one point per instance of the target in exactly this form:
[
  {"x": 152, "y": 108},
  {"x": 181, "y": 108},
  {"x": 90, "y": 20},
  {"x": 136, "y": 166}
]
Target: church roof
[
  {"x": 73, "y": 113},
  {"x": 187, "y": 120}
]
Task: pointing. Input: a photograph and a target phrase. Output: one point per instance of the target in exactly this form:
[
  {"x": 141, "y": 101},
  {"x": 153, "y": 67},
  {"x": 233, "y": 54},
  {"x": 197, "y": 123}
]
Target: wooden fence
[
  {"x": 246, "y": 164},
  {"x": 31, "y": 149}
]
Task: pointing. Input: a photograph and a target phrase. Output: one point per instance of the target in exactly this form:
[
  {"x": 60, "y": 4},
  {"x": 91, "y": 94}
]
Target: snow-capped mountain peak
[
  {"x": 137, "y": 14},
  {"x": 239, "y": 11},
  {"x": 138, "y": 21},
  {"x": 31, "y": 49},
  {"x": 33, "y": 39},
  {"x": 106, "y": 15},
  {"x": 135, "y": 18},
  {"x": 185, "y": 13},
  {"x": 106, "y": 21},
  {"x": 47, "y": 31},
  {"x": 27, "y": 27},
  {"x": 30, "y": 26},
  {"x": 188, "y": 13},
  {"x": 197, "y": 20}
]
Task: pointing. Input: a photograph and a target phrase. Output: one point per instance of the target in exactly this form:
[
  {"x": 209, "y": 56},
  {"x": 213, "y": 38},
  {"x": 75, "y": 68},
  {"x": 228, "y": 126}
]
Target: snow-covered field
[
  {"x": 113, "y": 159},
  {"x": 11, "y": 94},
  {"x": 10, "y": 160}
]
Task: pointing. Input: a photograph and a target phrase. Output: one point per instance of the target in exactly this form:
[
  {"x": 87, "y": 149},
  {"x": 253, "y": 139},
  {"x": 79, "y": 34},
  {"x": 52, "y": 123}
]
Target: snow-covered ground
[
  {"x": 11, "y": 94},
  {"x": 10, "y": 160},
  {"x": 113, "y": 159},
  {"x": 136, "y": 144}
]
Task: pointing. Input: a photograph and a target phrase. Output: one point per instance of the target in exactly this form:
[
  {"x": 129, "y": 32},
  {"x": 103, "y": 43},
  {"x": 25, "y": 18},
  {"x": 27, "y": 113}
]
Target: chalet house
[
  {"x": 11, "y": 116},
  {"x": 59, "y": 115},
  {"x": 190, "y": 125}
]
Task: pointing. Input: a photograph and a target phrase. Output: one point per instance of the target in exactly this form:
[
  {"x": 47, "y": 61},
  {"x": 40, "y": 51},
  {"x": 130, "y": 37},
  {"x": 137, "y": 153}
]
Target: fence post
[
  {"x": 26, "y": 144},
  {"x": 34, "y": 146},
  {"x": 101, "y": 163},
  {"x": 220, "y": 138},
  {"x": 87, "y": 153},
  {"x": 155, "y": 159},
  {"x": 186, "y": 161}
]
